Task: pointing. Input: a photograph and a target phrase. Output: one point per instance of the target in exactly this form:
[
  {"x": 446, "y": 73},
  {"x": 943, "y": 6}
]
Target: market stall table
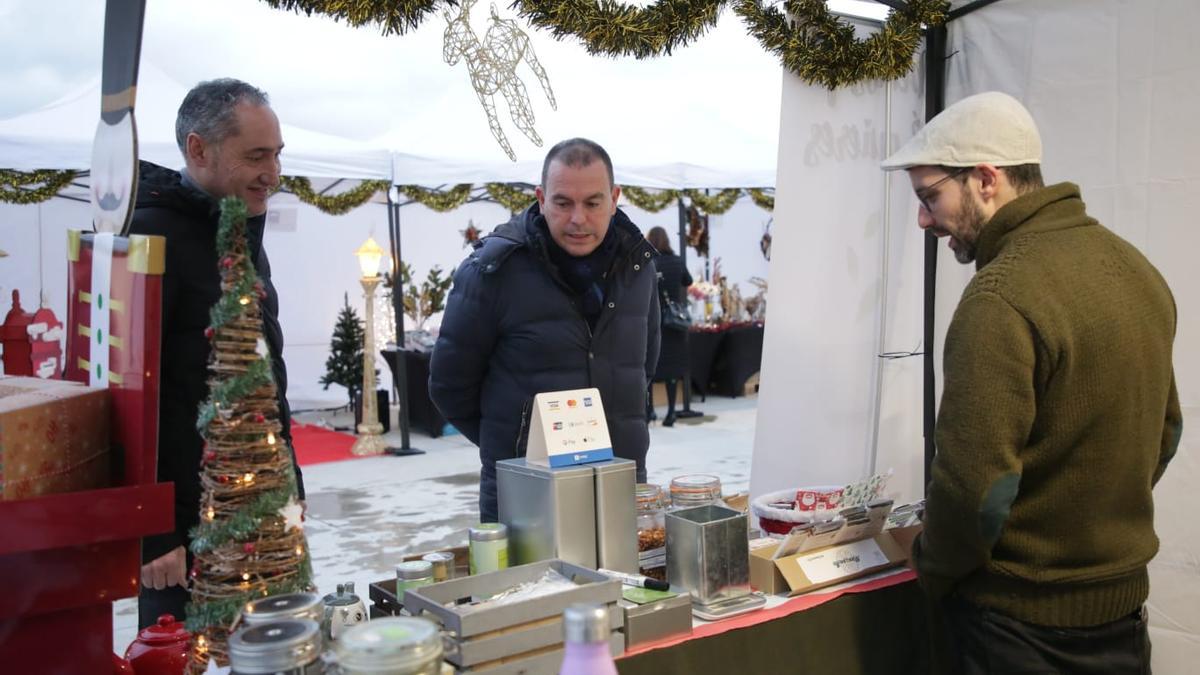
[
  {"x": 875, "y": 626},
  {"x": 422, "y": 414},
  {"x": 737, "y": 359}
]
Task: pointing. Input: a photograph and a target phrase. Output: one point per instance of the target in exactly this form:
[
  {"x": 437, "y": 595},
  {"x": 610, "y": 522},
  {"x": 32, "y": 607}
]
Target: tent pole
[
  {"x": 935, "y": 101},
  {"x": 398, "y": 310},
  {"x": 686, "y": 410}
]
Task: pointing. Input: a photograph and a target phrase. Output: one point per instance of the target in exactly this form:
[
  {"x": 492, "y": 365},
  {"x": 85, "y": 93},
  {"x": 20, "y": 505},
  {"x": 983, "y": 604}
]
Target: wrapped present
[{"x": 54, "y": 437}]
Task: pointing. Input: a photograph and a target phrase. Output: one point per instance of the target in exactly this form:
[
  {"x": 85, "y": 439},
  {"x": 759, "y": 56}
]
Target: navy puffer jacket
[{"x": 513, "y": 329}]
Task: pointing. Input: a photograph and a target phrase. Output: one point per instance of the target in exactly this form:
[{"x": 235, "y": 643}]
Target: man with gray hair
[
  {"x": 231, "y": 142},
  {"x": 1059, "y": 408}
]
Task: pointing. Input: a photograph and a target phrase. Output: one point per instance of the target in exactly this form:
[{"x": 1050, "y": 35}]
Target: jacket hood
[{"x": 160, "y": 187}]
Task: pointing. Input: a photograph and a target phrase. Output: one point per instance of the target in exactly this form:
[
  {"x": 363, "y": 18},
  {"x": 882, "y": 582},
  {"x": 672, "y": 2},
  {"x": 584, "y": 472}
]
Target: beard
[{"x": 972, "y": 220}]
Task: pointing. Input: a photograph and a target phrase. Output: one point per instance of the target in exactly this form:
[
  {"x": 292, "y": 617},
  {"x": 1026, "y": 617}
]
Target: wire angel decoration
[{"x": 492, "y": 65}]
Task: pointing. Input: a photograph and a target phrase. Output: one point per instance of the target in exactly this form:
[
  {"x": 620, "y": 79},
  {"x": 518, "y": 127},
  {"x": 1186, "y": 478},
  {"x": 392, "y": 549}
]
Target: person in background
[
  {"x": 1059, "y": 409},
  {"x": 231, "y": 141},
  {"x": 673, "y": 281},
  {"x": 563, "y": 296}
]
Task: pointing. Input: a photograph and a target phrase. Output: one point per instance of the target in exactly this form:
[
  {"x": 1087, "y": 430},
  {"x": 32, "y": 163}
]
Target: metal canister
[
  {"x": 287, "y": 647},
  {"x": 489, "y": 547},
  {"x": 394, "y": 645},
  {"x": 412, "y": 574},
  {"x": 443, "y": 565},
  {"x": 283, "y": 606}
]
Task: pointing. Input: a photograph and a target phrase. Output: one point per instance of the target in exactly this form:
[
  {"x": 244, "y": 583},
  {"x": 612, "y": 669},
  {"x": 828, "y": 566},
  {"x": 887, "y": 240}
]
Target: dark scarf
[{"x": 585, "y": 275}]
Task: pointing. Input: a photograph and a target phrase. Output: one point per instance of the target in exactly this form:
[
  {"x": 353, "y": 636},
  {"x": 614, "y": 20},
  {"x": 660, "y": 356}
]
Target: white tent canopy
[{"x": 389, "y": 107}]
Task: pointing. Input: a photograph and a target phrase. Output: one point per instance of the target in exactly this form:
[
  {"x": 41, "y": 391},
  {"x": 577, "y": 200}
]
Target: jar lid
[
  {"x": 394, "y": 642},
  {"x": 414, "y": 569},
  {"x": 586, "y": 623},
  {"x": 695, "y": 487},
  {"x": 283, "y": 606},
  {"x": 438, "y": 557},
  {"x": 489, "y": 532},
  {"x": 268, "y": 648},
  {"x": 648, "y": 494},
  {"x": 166, "y": 631}
]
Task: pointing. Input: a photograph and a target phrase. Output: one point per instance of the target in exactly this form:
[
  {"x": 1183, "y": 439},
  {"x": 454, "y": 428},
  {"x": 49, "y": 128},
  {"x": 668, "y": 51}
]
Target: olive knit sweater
[{"x": 1059, "y": 414}]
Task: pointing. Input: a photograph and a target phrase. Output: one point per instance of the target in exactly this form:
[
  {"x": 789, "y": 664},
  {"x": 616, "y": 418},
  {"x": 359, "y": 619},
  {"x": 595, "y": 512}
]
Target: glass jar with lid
[
  {"x": 651, "y": 530},
  {"x": 696, "y": 489},
  {"x": 394, "y": 645}
]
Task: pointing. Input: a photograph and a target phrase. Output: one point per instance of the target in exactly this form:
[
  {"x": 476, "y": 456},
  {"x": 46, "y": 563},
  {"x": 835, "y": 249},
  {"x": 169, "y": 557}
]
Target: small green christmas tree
[{"x": 345, "y": 363}]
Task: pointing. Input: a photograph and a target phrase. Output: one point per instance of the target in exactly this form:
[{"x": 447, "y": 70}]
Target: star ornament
[
  {"x": 261, "y": 348},
  {"x": 292, "y": 514}
]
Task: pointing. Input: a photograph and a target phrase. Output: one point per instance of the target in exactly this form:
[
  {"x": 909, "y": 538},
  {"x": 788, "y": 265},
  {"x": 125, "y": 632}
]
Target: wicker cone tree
[{"x": 249, "y": 542}]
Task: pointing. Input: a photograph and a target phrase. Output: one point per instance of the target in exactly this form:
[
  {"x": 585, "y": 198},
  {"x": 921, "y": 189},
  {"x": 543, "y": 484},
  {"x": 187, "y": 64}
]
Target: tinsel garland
[
  {"x": 209, "y": 535},
  {"x": 617, "y": 29},
  {"x": 394, "y": 16},
  {"x": 762, "y": 199},
  {"x": 511, "y": 197},
  {"x": 437, "y": 200},
  {"x": 257, "y": 375},
  {"x": 821, "y": 49},
  {"x": 333, "y": 204},
  {"x": 652, "y": 202},
  {"x": 715, "y": 204},
  {"x": 212, "y": 613},
  {"x": 51, "y": 182}
]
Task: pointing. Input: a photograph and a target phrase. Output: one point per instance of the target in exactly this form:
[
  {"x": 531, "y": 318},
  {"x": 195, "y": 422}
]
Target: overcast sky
[{"x": 359, "y": 84}]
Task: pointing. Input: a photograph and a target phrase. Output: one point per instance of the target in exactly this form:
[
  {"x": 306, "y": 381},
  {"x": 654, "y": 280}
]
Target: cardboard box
[
  {"x": 54, "y": 437},
  {"x": 826, "y": 566}
]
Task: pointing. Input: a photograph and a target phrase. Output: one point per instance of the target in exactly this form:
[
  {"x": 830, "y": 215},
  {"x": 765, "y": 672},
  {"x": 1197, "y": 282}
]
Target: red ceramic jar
[{"x": 161, "y": 649}]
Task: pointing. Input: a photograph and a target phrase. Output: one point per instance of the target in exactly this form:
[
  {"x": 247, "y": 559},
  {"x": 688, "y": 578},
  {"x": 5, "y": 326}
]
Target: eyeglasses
[{"x": 925, "y": 193}]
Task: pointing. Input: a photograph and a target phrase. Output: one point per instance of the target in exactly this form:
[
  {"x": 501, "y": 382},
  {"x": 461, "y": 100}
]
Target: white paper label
[
  {"x": 568, "y": 427},
  {"x": 102, "y": 261},
  {"x": 841, "y": 561}
]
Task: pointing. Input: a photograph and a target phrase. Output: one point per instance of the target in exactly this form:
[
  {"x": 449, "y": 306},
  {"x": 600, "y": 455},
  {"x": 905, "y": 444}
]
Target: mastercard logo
[{"x": 571, "y": 403}]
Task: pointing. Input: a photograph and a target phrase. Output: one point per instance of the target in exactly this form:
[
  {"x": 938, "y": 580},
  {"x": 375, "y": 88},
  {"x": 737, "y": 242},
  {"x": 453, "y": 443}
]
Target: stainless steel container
[
  {"x": 616, "y": 515},
  {"x": 287, "y": 647},
  {"x": 657, "y": 620},
  {"x": 708, "y": 553},
  {"x": 284, "y": 606},
  {"x": 550, "y": 512}
]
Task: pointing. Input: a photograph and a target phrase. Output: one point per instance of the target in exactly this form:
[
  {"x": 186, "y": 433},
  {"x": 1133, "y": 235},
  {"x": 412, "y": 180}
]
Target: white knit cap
[{"x": 988, "y": 128}]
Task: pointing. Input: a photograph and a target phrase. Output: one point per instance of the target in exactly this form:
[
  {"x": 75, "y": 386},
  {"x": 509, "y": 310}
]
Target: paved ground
[{"x": 364, "y": 514}]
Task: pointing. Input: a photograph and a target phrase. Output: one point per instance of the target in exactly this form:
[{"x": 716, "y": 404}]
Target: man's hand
[{"x": 165, "y": 571}]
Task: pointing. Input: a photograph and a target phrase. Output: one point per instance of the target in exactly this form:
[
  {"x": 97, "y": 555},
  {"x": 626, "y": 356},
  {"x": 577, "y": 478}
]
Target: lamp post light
[{"x": 370, "y": 431}]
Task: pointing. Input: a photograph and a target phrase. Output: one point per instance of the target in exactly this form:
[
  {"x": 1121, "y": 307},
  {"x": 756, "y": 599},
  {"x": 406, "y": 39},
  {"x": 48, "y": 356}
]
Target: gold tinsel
[
  {"x": 437, "y": 200},
  {"x": 715, "y": 204},
  {"x": 333, "y": 204},
  {"x": 616, "y": 29},
  {"x": 821, "y": 49},
  {"x": 762, "y": 199},
  {"x": 645, "y": 200},
  {"x": 394, "y": 16},
  {"x": 13, "y": 184},
  {"x": 512, "y": 197}
]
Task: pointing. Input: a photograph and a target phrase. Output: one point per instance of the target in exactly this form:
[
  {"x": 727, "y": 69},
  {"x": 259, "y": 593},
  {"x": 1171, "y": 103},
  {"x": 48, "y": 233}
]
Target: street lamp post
[{"x": 370, "y": 431}]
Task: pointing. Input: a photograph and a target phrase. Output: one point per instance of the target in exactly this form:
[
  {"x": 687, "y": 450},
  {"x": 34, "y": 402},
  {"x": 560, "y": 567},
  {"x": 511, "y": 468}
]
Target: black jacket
[
  {"x": 513, "y": 329},
  {"x": 191, "y": 285},
  {"x": 673, "y": 280}
]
